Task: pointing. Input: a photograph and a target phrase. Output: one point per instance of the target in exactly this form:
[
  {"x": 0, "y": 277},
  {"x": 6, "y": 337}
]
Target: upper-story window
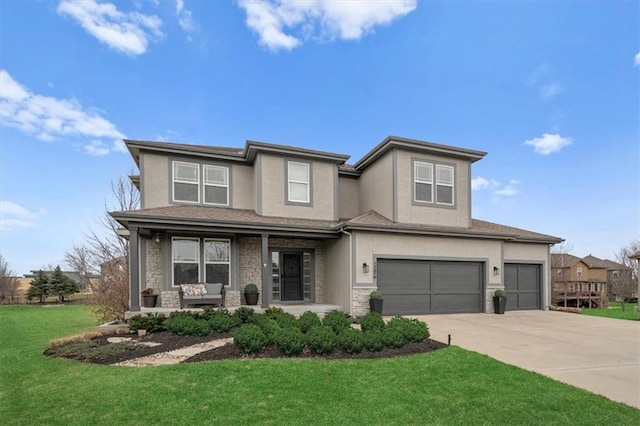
[
  {"x": 298, "y": 182},
  {"x": 444, "y": 184},
  {"x": 423, "y": 183},
  {"x": 216, "y": 185},
  {"x": 579, "y": 271},
  {"x": 186, "y": 182},
  {"x": 188, "y": 187},
  {"x": 615, "y": 274}
]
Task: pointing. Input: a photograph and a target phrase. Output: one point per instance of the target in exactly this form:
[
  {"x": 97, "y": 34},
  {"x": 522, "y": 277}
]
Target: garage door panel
[
  {"x": 456, "y": 303},
  {"x": 413, "y": 304},
  {"x": 421, "y": 286},
  {"x": 522, "y": 286}
]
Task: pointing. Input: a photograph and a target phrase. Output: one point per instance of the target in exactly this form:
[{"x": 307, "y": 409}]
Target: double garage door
[
  {"x": 430, "y": 287},
  {"x": 440, "y": 287}
]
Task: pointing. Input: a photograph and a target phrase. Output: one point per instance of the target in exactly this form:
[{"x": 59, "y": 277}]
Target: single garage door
[
  {"x": 522, "y": 286},
  {"x": 430, "y": 287}
]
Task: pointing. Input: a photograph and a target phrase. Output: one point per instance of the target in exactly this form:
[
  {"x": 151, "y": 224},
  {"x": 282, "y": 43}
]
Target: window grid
[
  {"x": 293, "y": 182},
  {"x": 444, "y": 178},
  {"x": 224, "y": 183},
  {"x": 423, "y": 175}
]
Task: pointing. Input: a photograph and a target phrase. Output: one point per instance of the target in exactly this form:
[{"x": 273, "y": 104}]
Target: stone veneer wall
[
  {"x": 250, "y": 268},
  {"x": 154, "y": 275},
  {"x": 488, "y": 298},
  {"x": 250, "y": 258},
  {"x": 360, "y": 301}
]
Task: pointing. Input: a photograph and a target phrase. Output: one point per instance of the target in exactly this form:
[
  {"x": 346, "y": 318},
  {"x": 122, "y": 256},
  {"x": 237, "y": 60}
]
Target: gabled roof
[
  {"x": 563, "y": 260},
  {"x": 635, "y": 255},
  {"x": 594, "y": 263}
]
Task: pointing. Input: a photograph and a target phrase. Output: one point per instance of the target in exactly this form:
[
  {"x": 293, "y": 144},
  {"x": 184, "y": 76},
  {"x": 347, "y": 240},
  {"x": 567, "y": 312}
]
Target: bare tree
[
  {"x": 8, "y": 283},
  {"x": 624, "y": 284},
  {"x": 107, "y": 253}
]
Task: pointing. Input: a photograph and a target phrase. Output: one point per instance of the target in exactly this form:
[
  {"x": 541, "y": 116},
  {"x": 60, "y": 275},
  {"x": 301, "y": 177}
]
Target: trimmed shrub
[
  {"x": 394, "y": 338},
  {"x": 268, "y": 326},
  {"x": 250, "y": 339},
  {"x": 273, "y": 312},
  {"x": 289, "y": 341},
  {"x": 244, "y": 314},
  {"x": 373, "y": 340},
  {"x": 321, "y": 340},
  {"x": 209, "y": 312},
  {"x": 412, "y": 329},
  {"x": 350, "y": 341},
  {"x": 287, "y": 320},
  {"x": 372, "y": 321},
  {"x": 150, "y": 322},
  {"x": 336, "y": 320},
  {"x": 180, "y": 314},
  {"x": 308, "y": 320},
  {"x": 187, "y": 326},
  {"x": 223, "y": 323}
]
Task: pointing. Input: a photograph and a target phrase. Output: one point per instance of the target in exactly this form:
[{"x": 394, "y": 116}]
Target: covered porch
[{"x": 294, "y": 309}]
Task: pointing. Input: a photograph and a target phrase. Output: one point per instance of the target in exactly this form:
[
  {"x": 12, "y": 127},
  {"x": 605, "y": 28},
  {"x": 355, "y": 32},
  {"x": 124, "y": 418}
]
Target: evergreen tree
[
  {"x": 39, "y": 287},
  {"x": 61, "y": 285}
]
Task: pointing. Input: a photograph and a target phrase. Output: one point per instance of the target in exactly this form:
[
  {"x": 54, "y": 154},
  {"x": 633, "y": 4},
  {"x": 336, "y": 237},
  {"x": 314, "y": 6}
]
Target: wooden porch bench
[{"x": 201, "y": 294}]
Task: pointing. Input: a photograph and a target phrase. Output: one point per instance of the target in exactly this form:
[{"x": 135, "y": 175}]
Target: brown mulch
[
  {"x": 229, "y": 351},
  {"x": 169, "y": 342}
]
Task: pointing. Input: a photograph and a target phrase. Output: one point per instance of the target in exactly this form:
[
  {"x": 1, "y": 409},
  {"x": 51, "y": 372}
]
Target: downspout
[{"x": 350, "y": 268}]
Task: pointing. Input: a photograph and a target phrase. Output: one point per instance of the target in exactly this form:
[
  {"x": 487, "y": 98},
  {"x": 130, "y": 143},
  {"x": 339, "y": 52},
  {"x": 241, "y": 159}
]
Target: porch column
[
  {"x": 265, "y": 271},
  {"x": 134, "y": 269}
]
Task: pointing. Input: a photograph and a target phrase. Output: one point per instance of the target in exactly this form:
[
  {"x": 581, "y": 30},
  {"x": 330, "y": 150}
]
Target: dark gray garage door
[
  {"x": 429, "y": 287},
  {"x": 522, "y": 286}
]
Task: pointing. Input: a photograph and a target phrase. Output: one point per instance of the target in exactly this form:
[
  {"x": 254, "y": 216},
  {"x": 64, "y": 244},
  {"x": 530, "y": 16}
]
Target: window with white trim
[
  {"x": 579, "y": 271},
  {"x": 217, "y": 261},
  {"x": 444, "y": 184},
  {"x": 186, "y": 182},
  {"x": 423, "y": 182},
  {"x": 185, "y": 260},
  {"x": 215, "y": 185},
  {"x": 299, "y": 188}
]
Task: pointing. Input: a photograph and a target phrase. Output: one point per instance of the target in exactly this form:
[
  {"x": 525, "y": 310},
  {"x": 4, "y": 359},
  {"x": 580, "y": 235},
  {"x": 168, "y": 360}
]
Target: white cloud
[
  {"x": 13, "y": 216},
  {"x": 185, "y": 18},
  {"x": 637, "y": 59},
  {"x": 321, "y": 19},
  {"x": 479, "y": 183},
  {"x": 507, "y": 191},
  {"x": 128, "y": 33},
  {"x": 49, "y": 118},
  {"x": 550, "y": 91},
  {"x": 549, "y": 143}
]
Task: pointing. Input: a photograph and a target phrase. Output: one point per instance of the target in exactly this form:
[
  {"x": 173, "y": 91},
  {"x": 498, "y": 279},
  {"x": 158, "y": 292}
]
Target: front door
[{"x": 291, "y": 276}]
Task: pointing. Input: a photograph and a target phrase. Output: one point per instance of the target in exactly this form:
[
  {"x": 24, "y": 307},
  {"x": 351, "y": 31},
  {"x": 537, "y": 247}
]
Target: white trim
[
  {"x": 175, "y": 180},
  {"x": 451, "y": 185},
  {"x": 205, "y": 184},
  {"x": 204, "y": 257},
  {"x": 173, "y": 262},
  {"x": 416, "y": 180},
  {"x": 301, "y": 182}
]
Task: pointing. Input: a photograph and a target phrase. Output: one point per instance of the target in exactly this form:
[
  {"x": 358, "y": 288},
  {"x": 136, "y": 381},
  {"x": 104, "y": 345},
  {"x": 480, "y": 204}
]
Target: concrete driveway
[{"x": 600, "y": 355}]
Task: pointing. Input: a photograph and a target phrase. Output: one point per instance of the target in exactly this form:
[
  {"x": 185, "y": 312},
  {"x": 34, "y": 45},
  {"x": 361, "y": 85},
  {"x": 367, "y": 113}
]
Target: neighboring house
[
  {"x": 308, "y": 228},
  {"x": 583, "y": 281}
]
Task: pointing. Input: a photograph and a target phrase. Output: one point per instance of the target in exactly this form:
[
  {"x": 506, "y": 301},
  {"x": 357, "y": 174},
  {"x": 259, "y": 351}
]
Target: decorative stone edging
[{"x": 173, "y": 357}]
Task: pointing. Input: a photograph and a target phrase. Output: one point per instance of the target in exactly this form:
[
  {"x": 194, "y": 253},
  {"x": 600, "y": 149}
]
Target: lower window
[{"x": 195, "y": 260}]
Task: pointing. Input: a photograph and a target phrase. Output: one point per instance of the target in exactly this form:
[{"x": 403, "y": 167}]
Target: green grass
[
  {"x": 615, "y": 311},
  {"x": 450, "y": 386}
]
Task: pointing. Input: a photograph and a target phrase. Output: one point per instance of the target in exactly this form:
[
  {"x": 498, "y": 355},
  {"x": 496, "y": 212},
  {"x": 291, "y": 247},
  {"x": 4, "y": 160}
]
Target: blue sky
[{"x": 549, "y": 88}]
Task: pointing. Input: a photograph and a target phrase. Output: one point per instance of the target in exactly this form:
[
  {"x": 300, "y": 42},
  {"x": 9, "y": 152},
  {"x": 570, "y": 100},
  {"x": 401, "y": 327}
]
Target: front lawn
[
  {"x": 615, "y": 311},
  {"x": 449, "y": 386}
]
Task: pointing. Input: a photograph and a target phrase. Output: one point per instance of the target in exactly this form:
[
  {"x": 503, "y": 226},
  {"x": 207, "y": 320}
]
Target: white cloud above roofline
[{"x": 285, "y": 25}]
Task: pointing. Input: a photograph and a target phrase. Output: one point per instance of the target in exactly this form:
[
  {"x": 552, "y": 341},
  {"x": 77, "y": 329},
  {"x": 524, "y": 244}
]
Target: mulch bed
[
  {"x": 169, "y": 342},
  {"x": 229, "y": 351}
]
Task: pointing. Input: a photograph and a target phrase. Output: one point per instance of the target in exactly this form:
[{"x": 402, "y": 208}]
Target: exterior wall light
[
  {"x": 365, "y": 268},
  {"x": 496, "y": 270}
]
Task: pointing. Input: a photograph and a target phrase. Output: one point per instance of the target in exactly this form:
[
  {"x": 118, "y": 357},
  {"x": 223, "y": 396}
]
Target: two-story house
[
  {"x": 582, "y": 281},
  {"x": 307, "y": 227}
]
